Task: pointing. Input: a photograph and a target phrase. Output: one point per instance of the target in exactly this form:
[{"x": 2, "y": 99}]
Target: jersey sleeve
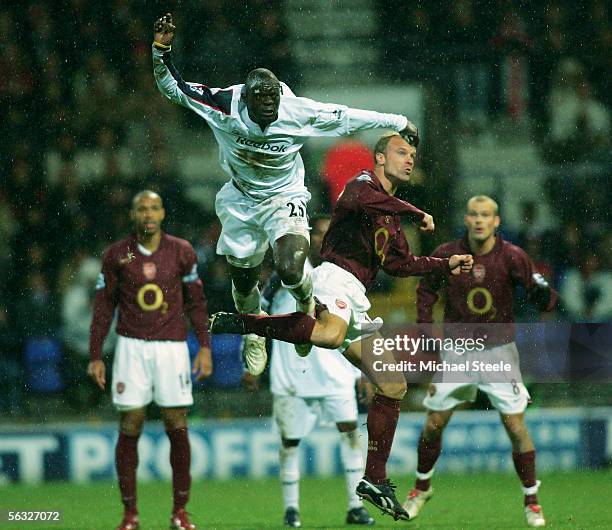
[
  {"x": 427, "y": 292},
  {"x": 399, "y": 261},
  {"x": 361, "y": 195},
  {"x": 195, "y": 300},
  {"x": 212, "y": 104},
  {"x": 105, "y": 301},
  {"x": 330, "y": 119},
  {"x": 523, "y": 271}
]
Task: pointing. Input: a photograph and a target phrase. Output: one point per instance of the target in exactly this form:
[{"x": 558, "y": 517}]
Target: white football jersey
[
  {"x": 322, "y": 373},
  {"x": 264, "y": 162}
]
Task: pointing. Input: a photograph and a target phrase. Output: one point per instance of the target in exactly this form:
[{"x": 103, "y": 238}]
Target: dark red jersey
[
  {"x": 365, "y": 233},
  {"x": 152, "y": 292},
  {"x": 486, "y": 294}
]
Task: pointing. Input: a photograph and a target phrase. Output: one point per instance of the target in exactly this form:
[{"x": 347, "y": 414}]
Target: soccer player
[
  {"x": 483, "y": 297},
  {"x": 151, "y": 277},
  {"x": 260, "y": 127},
  {"x": 365, "y": 235},
  {"x": 318, "y": 387}
]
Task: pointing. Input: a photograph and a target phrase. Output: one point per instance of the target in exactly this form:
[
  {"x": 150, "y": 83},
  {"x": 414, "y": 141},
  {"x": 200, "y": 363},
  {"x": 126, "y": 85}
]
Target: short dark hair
[
  {"x": 383, "y": 141},
  {"x": 261, "y": 76}
]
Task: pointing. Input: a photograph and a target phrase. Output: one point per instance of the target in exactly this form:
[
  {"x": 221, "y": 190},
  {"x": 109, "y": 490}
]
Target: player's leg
[
  {"x": 352, "y": 463},
  {"x": 171, "y": 367},
  {"x": 132, "y": 392},
  {"x": 428, "y": 451},
  {"x": 289, "y": 470},
  {"x": 383, "y": 415},
  {"x": 126, "y": 462},
  {"x": 290, "y": 253},
  {"x": 244, "y": 244},
  {"x": 326, "y": 331},
  {"x": 295, "y": 418}
]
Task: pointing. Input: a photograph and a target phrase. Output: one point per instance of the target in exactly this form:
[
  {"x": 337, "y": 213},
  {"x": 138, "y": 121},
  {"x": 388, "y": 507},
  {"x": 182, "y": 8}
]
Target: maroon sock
[
  {"x": 293, "y": 327},
  {"x": 126, "y": 462},
  {"x": 428, "y": 451},
  {"x": 180, "y": 460},
  {"x": 382, "y": 421},
  {"x": 524, "y": 463}
]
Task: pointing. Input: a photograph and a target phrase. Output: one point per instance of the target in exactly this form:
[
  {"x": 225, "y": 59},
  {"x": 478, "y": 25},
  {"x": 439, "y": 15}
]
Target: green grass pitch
[{"x": 578, "y": 500}]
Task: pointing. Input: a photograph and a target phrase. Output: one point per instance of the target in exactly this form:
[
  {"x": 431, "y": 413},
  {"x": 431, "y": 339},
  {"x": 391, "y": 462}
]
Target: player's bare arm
[
  {"x": 97, "y": 371},
  {"x": 460, "y": 263},
  {"x": 202, "y": 364},
  {"x": 164, "y": 30}
]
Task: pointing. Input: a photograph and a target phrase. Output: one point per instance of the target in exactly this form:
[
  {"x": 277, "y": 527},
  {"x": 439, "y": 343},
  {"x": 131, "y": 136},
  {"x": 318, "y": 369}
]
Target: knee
[
  {"x": 131, "y": 423},
  {"x": 517, "y": 431},
  {"x": 177, "y": 419},
  {"x": 291, "y": 269},
  {"x": 394, "y": 389},
  {"x": 348, "y": 427},
  {"x": 434, "y": 426},
  {"x": 332, "y": 338}
]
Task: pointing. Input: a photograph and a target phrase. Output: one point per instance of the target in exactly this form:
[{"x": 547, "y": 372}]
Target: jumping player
[
  {"x": 483, "y": 297},
  {"x": 365, "y": 235},
  {"x": 151, "y": 277},
  {"x": 260, "y": 127}
]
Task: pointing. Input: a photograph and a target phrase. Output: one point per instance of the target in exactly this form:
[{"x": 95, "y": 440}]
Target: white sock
[
  {"x": 251, "y": 303},
  {"x": 352, "y": 462},
  {"x": 302, "y": 290},
  {"x": 290, "y": 476}
]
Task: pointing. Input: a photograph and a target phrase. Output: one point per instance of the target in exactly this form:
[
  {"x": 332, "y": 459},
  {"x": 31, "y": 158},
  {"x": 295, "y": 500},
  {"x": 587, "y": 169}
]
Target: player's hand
[
  {"x": 164, "y": 30},
  {"x": 410, "y": 133},
  {"x": 97, "y": 371},
  {"x": 250, "y": 382},
  {"x": 202, "y": 364},
  {"x": 459, "y": 263},
  {"x": 427, "y": 224}
]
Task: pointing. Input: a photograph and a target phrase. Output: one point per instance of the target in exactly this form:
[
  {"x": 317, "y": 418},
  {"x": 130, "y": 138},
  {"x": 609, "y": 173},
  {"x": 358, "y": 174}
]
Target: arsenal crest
[
  {"x": 149, "y": 270},
  {"x": 479, "y": 271}
]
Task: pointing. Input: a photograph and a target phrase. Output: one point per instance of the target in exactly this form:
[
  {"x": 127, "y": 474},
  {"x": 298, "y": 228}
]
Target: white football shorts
[
  {"x": 151, "y": 370},
  {"x": 250, "y": 226},
  {"x": 344, "y": 296},
  {"x": 295, "y": 417},
  {"x": 506, "y": 391}
]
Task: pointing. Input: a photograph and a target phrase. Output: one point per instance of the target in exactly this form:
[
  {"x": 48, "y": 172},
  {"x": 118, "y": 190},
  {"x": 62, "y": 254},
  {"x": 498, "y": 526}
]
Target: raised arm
[{"x": 214, "y": 105}]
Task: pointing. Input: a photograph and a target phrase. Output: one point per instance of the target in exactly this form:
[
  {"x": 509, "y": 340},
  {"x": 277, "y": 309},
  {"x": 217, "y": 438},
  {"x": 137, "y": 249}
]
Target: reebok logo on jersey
[{"x": 258, "y": 145}]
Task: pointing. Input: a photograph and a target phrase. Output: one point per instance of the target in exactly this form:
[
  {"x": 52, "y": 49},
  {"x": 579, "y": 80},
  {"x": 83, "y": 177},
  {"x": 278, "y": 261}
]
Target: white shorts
[
  {"x": 344, "y": 296},
  {"x": 506, "y": 391},
  {"x": 147, "y": 370},
  {"x": 295, "y": 417},
  {"x": 250, "y": 226}
]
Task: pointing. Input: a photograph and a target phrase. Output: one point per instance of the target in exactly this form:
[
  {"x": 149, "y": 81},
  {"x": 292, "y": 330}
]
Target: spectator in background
[
  {"x": 586, "y": 291},
  {"x": 579, "y": 123}
]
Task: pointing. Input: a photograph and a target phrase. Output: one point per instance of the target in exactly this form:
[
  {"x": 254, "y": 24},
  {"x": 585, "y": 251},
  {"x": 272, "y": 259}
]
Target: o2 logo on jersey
[
  {"x": 475, "y": 299},
  {"x": 381, "y": 238},
  {"x": 151, "y": 298}
]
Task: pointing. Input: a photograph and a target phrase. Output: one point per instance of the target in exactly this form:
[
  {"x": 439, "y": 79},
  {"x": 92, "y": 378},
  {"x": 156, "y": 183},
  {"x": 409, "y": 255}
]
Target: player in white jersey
[
  {"x": 319, "y": 387},
  {"x": 260, "y": 127}
]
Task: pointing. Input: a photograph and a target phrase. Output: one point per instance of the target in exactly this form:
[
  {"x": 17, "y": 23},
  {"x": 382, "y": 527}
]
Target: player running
[
  {"x": 260, "y": 127},
  {"x": 318, "y": 387},
  {"x": 483, "y": 297},
  {"x": 365, "y": 235},
  {"x": 151, "y": 277}
]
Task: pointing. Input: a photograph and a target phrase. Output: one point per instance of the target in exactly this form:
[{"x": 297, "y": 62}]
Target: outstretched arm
[{"x": 214, "y": 105}]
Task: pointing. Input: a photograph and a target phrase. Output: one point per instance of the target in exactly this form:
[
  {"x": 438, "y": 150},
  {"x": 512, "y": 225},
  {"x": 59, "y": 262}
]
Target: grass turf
[{"x": 578, "y": 500}]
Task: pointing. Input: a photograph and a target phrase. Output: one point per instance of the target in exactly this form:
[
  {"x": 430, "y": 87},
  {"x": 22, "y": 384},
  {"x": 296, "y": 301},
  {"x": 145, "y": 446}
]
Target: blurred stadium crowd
[{"x": 84, "y": 128}]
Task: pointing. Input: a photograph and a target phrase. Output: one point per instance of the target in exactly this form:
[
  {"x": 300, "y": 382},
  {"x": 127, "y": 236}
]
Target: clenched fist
[
  {"x": 459, "y": 263},
  {"x": 164, "y": 30}
]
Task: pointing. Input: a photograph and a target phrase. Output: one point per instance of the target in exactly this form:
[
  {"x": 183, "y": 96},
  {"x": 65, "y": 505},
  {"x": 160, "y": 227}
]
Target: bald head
[
  {"x": 262, "y": 96},
  {"x": 483, "y": 200},
  {"x": 146, "y": 194}
]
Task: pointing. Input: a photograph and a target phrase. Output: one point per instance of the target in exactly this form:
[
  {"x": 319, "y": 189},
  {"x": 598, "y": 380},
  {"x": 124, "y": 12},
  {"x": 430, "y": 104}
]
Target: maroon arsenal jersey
[
  {"x": 153, "y": 293},
  {"x": 365, "y": 233},
  {"x": 486, "y": 294}
]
